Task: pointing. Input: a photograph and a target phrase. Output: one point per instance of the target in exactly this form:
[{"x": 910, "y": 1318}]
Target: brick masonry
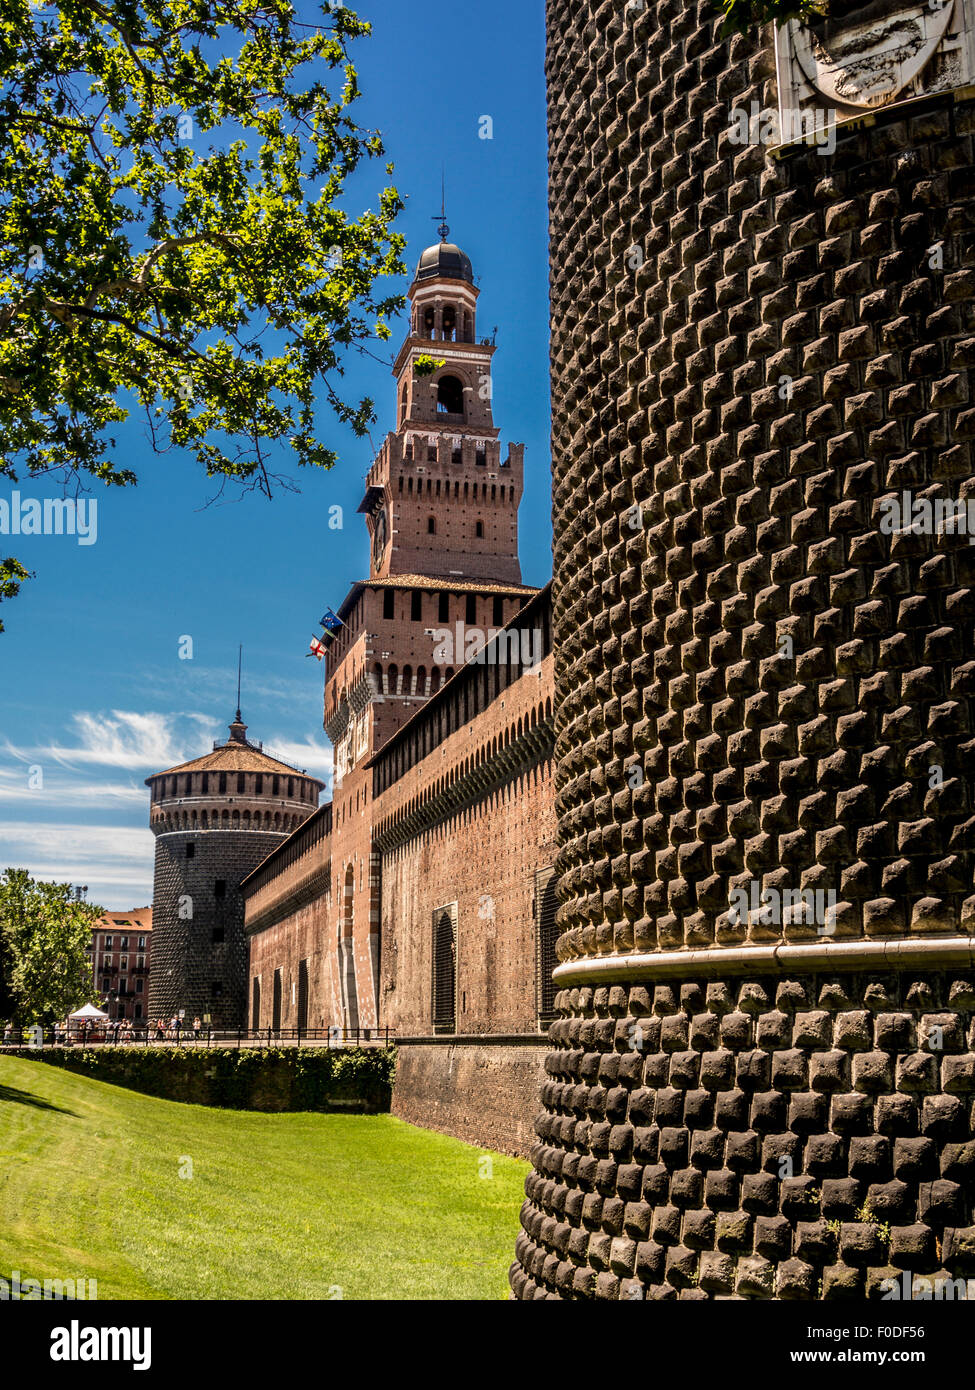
[
  {"x": 480, "y": 848},
  {"x": 755, "y": 683},
  {"x": 444, "y": 795}
]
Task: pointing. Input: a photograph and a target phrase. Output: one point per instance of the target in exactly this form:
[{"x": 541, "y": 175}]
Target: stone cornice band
[{"x": 927, "y": 952}]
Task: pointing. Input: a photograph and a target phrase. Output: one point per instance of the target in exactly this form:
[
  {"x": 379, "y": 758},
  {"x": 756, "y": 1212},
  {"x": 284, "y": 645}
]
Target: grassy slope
[{"x": 279, "y": 1206}]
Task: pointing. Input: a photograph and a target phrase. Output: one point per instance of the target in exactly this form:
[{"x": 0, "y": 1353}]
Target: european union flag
[{"x": 331, "y": 622}]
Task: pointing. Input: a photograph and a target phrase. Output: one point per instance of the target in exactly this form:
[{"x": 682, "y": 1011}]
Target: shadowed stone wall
[
  {"x": 762, "y": 688},
  {"x": 483, "y": 1090}
]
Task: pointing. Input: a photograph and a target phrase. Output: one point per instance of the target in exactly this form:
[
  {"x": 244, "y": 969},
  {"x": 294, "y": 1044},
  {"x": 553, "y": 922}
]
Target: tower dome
[{"x": 444, "y": 261}]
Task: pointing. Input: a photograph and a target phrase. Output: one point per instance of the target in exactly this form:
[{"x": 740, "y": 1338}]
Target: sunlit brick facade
[
  {"x": 121, "y": 950},
  {"x": 418, "y": 900}
]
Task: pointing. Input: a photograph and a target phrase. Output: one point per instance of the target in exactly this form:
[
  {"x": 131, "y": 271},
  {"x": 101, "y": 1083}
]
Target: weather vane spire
[
  {"x": 240, "y": 657},
  {"x": 443, "y": 229}
]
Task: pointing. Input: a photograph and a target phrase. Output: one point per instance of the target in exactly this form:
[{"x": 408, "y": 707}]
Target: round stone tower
[
  {"x": 214, "y": 820},
  {"x": 761, "y": 1079}
]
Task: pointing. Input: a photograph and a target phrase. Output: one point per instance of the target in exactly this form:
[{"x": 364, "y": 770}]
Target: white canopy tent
[{"x": 88, "y": 1011}]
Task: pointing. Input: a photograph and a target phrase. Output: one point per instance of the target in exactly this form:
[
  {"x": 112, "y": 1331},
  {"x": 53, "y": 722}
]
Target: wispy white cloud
[
  {"x": 43, "y": 783},
  {"x": 315, "y": 758},
  {"x": 126, "y": 739},
  {"x": 115, "y": 862},
  {"x": 218, "y": 685},
  {"x": 59, "y": 788}
]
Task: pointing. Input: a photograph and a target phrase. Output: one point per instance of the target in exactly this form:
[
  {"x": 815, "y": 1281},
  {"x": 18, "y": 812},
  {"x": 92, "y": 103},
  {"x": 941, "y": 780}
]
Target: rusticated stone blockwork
[
  {"x": 764, "y": 677},
  {"x": 791, "y": 1138}
]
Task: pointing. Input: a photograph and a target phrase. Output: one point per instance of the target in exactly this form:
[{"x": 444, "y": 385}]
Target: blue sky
[{"x": 93, "y": 695}]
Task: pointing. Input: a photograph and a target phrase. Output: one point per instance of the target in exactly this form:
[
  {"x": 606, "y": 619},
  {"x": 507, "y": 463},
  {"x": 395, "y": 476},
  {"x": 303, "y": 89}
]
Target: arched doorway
[{"x": 350, "y": 999}]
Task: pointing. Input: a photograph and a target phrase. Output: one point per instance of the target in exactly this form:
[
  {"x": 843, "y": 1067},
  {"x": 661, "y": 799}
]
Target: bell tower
[
  {"x": 440, "y": 501},
  {"x": 441, "y": 505}
]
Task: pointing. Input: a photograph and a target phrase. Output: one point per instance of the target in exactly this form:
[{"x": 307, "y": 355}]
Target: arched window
[
  {"x": 449, "y": 323},
  {"x": 450, "y": 396},
  {"x": 407, "y": 680},
  {"x": 479, "y": 529},
  {"x": 402, "y": 404},
  {"x": 434, "y": 680},
  {"x": 431, "y": 526},
  {"x": 421, "y": 680}
]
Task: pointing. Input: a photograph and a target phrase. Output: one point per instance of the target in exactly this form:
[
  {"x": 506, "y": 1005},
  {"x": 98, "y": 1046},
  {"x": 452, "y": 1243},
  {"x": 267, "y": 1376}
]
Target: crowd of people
[
  {"x": 116, "y": 1031},
  {"x": 176, "y": 1029}
]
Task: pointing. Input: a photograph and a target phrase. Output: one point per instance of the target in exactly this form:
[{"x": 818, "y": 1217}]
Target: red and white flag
[{"x": 318, "y": 648}]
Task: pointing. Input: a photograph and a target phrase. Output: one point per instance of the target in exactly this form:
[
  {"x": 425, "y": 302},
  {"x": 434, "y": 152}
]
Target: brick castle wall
[
  {"x": 487, "y": 823},
  {"x": 443, "y": 790},
  {"x": 756, "y": 684},
  {"x": 300, "y": 938},
  {"x": 477, "y": 846}
]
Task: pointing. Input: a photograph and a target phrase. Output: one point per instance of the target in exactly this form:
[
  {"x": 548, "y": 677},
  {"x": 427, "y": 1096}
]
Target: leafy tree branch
[{"x": 174, "y": 236}]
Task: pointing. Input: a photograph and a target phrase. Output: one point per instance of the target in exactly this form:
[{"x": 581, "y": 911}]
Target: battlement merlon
[{"x": 447, "y": 456}]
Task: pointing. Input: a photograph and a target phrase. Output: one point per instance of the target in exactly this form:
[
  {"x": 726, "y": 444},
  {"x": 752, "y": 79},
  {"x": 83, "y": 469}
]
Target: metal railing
[{"x": 109, "y": 1036}]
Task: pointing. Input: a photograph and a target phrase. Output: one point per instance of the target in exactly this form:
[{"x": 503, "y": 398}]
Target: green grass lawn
[{"x": 278, "y": 1206}]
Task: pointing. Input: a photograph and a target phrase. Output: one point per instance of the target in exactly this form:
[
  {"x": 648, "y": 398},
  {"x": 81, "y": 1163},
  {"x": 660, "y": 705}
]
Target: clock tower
[
  {"x": 440, "y": 500},
  {"x": 441, "y": 505}
]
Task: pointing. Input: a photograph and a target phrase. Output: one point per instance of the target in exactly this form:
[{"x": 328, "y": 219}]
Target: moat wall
[{"x": 481, "y": 1090}]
